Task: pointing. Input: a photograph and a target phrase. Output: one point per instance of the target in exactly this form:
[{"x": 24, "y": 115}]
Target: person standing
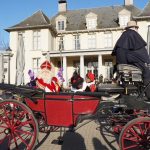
[{"x": 130, "y": 49}]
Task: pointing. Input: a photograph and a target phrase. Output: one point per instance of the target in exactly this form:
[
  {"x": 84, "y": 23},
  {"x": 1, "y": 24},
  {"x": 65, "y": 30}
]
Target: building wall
[
  {"x": 46, "y": 45},
  {"x": 100, "y": 37},
  {"x": 13, "y": 46},
  {"x": 143, "y": 28},
  {"x": 51, "y": 43}
]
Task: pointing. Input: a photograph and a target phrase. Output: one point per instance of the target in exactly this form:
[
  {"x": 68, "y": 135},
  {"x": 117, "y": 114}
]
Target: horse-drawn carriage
[{"x": 20, "y": 121}]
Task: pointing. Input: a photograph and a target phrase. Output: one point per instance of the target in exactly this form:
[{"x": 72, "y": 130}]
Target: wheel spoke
[
  {"x": 22, "y": 139},
  {"x": 18, "y": 127},
  {"x": 141, "y": 130},
  {"x": 9, "y": 142},
  {"x": 147, "y": 127},
  {"x": 129, "y": 147},
  {"x": 23, "y": 136},
  {"x": 24, "y": 123},
  {"x": 3, "y": 127},
  {"x": 6, "y": 114},
  {"x": 134, "y": 133},
  {"x": 18, "y": 119},
  {"x": 4, "y": 121},
  {"x": 15, "y": 140},
  {"x": 24, "y": 132},
  {"x": 131, "y": 139},
  {"x": 13, "y": 113}
]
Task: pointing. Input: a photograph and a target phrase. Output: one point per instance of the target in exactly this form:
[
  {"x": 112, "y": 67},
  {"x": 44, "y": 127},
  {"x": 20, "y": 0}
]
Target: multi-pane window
[
  {"x": 61, "y": 43},
  {"x": 61, "y": 25},
  {"x": 108, "y": 40},
  {"x": 91, "y": 23},
  {"x": 123, "y": 20},
  {"x": 36, "y": 40},
  {"x": 148, "y": 40},
  {"x": 91, "y": 41},
  {"x": 36, "y": 65},
  {"x": 77, "y": 42}
]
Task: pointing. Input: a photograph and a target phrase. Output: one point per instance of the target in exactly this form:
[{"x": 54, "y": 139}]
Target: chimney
[
  {"x": 128, "y": 2},
  {"x": 62, "y": 5}
]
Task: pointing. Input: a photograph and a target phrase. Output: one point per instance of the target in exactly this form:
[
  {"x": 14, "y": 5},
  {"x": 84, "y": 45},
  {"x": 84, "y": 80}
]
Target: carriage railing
[
  {"x": 35, "y": 94},
  {"x": 24, "y": 91}
]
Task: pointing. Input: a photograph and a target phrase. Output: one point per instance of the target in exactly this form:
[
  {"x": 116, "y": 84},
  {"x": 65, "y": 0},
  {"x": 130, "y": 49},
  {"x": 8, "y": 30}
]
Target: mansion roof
[
  {"x": 107, "y": 17},
  {"x": 37, "y": 20}
]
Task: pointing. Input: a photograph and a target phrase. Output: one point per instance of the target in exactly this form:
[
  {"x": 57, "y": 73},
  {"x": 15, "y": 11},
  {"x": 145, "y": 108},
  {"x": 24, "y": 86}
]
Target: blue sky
[{"x": 14, "y": 11}]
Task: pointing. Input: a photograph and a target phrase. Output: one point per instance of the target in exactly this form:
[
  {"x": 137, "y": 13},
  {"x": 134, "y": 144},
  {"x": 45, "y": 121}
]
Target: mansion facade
[{"x": 80, "y": 40}]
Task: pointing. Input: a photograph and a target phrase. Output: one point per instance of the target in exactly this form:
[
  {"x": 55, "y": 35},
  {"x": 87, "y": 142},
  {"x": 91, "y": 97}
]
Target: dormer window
[
  {"x": 91, "y": 21},
  {"x": 61, "y": 23},
  {"x": 123, "y": 20},
  {"x": 124, "y": 17}
]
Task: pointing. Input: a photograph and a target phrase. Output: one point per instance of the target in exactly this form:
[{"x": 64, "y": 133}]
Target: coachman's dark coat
[{"x": 130, "y": 49}]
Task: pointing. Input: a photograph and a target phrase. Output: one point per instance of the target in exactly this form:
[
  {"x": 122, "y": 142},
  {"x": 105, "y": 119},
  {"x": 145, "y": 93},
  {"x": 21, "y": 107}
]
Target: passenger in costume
[
  {"x": 78, "y": 84},
  {"x": 90, "y": 82},
  {"x": 130, "y": 49},
  {"x": 46, "y": 80}
]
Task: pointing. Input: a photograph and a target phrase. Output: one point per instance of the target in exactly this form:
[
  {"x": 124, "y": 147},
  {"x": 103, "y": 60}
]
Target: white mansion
[{"x": 79, "y": 40}]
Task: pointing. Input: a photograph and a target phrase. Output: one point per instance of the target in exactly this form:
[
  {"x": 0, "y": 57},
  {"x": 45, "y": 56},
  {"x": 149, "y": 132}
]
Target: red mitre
[{"x": 46, "y": 65}]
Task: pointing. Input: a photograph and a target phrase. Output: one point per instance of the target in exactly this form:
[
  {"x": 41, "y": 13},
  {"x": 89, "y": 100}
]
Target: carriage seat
[
  {"x": 115, "y": 88},
  {"x": 130, "y": 72},
  {"x": 127, "y": 75},
  {"x": 127, "y": 67}
]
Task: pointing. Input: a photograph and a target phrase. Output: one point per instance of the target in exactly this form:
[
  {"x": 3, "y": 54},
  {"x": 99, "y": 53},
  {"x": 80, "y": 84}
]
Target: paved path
[{"x": 91, "y": 136}]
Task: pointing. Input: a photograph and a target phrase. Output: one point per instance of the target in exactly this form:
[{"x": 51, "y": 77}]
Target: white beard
[{"x": 46, "y": 75}]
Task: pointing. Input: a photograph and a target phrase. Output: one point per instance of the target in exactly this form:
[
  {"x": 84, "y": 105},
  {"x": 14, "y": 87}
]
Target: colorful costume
[
  {"x": 45, "y": 80},
  {"x": 91, "y": 84},
  {"x": 79, "y": 85}
]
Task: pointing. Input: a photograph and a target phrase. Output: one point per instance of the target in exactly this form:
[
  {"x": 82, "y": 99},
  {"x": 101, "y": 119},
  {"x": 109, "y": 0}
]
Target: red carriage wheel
[
  {"x": 18, "y": 127},
  {"x": 136, "y": 135}
]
